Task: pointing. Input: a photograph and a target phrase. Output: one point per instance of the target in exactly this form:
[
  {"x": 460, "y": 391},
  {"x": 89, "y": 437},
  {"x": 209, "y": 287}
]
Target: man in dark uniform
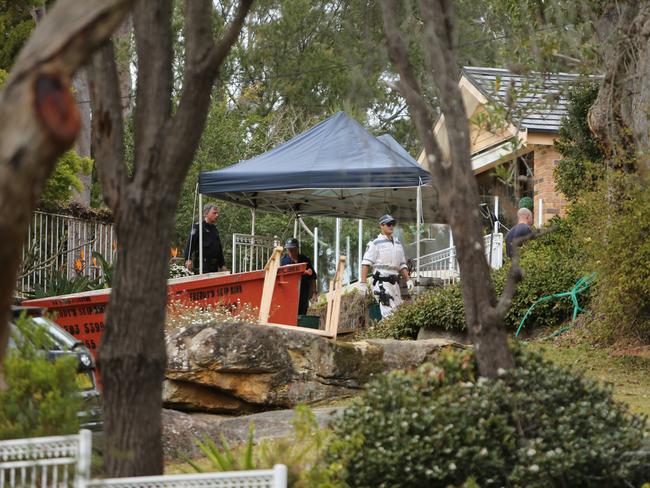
[
  {"x": 522, "y": 229},
  {"x": 308, "y": 281},
  {"x": 213, "y": 259}
]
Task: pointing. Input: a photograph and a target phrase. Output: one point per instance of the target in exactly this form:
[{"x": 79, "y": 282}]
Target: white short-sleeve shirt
[{"x": 385, "y": 255}]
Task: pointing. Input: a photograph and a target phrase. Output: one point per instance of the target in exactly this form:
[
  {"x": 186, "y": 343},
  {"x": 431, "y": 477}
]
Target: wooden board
[
  {"x": 334, "y": 299},
  {"x": 271, "y": 272}
]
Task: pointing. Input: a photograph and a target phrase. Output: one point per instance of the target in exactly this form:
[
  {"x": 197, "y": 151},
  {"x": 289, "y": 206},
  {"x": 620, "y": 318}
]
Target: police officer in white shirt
[{"x": 385, "y": 255}]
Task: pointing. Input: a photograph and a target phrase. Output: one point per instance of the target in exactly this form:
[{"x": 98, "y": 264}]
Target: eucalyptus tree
[{"x": 167, "y": 125}]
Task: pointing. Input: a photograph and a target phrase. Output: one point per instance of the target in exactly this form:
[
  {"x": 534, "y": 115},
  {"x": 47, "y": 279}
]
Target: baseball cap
[
  {"x": 291, "y": 243},
  {"x": 386, "y": 219}
]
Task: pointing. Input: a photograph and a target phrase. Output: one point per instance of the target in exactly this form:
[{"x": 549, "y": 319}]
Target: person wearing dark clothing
[
  {"x": 525, "y": 220},
  {"x": 308, "y": 280},
  {"x": 213, "y": 259}
]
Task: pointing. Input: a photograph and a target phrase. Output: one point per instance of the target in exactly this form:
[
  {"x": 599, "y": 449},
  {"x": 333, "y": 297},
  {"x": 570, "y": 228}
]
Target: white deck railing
[
  {"x": 443, "y": 265},
  {"x": 64, "y": 461},
  {"x": 251, "y": 253}
]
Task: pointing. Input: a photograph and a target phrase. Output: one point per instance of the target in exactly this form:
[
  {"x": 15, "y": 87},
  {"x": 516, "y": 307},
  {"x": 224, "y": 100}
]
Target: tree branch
[
  {"x": 409, "y": 86},
  {"x": 204, "y": 60},
  {"x": 515, "y": 274},
  {"x": 108, "y": 129},
  {"x": 153, "y": 39}
]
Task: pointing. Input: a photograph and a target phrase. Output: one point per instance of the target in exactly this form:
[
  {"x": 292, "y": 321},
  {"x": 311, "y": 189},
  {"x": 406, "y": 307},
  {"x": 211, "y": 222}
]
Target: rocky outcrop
[
  {"x": 182, "y": 430},
  {"x": 237, "y": 368}
]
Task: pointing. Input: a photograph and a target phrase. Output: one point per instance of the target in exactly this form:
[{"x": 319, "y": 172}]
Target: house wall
[{"x": 553, "y": 203}]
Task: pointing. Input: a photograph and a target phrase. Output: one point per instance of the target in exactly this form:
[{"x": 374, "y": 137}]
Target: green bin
[
  {"x": 309, "y": 321},
  {"x": 374, "y": 312}
]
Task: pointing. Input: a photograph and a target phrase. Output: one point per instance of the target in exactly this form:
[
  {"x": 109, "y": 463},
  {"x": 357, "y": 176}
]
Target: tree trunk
[
  {"x": 39, "y": 121},
  {"x": 133, "y": 356},
  {"x": 453, "y": 178},
  {"x": 619, "y": 116},
  {"x": 82, "y": 144}
]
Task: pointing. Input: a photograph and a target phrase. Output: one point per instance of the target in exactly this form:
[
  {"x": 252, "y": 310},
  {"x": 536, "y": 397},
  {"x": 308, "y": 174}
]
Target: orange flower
[
  {"x": 82, "y": 254},
  {"x": 94, "y": 262},
  {"x": 174, "y": 252},
  {"x": 78, "y": 265},
  {"x": 114, "y": 245}
]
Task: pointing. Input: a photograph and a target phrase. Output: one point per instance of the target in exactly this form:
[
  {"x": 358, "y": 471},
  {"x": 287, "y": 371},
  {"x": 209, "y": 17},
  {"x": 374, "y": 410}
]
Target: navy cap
[
  {"x": 386, "y": 219},
  {"x": 291, "y": 243}
]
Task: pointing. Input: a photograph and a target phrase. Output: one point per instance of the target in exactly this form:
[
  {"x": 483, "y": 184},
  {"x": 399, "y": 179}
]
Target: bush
[
  {"x": 42, "y": 397},
  {"x": 302, "y": 453},
  {"x": 615, "y": 234},
  {"x": 551, "y": 264},
  {"x": 536, "y": 426}
]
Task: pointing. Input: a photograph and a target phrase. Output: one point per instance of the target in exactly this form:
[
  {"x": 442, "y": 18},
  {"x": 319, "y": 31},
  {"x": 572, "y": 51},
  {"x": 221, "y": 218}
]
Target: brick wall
[{"x": 553, "y": 203}]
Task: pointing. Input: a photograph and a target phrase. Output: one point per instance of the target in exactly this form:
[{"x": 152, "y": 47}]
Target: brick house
[{"x": 513, "y": 159}]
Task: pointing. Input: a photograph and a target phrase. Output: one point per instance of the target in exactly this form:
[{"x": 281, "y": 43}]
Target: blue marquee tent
[{"x": 336, "y": 168}]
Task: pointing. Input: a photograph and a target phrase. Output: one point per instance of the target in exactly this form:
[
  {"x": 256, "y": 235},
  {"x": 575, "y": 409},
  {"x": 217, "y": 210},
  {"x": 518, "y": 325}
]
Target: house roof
[{"x": 540, "y": 98}]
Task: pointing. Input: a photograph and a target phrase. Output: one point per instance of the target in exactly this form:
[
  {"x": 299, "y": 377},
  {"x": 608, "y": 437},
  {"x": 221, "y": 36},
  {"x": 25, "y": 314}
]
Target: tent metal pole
[
  {"x": 496, "y": 214},
  {"x": 252, "y": 221},
  {"x": 295, "y": 225},
  {"x": 316, "y": 249},
  {"x": 347, "y": 255},
  {"x": 337, "y": 249},
  {"x": 417, "y": 245},
  {"x": 200, "y": 233},
  {"x": 360, "y": 249}
]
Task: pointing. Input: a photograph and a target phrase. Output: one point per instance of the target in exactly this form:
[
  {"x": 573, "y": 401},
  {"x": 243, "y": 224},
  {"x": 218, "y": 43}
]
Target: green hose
[{"x": 581, "y": 285}]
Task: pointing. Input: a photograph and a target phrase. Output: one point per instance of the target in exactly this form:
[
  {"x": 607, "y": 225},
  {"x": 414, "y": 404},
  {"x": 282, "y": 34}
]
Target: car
[{"x": 59, "y": 344}]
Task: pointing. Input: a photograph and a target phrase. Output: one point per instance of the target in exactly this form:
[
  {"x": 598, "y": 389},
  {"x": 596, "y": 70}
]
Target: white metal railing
[
  {"x": 64, "y": 461},
  {"x": 260, "y": 478},
  {"x": 63, "y": 242},
  {"x": 250, "y": 253},
  {"x": 59, "y": 461},
  {"x": 443, "y": 265}
]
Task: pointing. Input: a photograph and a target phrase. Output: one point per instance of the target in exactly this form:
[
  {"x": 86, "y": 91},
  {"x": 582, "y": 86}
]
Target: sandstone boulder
[{"x": 237, "y": 368}]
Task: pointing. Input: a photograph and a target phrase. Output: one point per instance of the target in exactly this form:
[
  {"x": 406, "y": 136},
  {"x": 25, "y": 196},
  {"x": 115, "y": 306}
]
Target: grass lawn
[{"x": 630, "y": 375}]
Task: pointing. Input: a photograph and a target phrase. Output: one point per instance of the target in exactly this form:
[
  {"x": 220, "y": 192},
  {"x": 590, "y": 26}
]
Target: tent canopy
[{"x": 336, "y": 168}]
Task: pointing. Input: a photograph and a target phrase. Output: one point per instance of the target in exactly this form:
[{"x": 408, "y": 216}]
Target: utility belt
[{"x": 377, "y": 278}]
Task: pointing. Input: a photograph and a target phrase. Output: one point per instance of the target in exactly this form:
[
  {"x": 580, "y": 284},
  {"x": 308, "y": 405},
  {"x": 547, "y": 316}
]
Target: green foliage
[
  {"x": 3, "y": 77},
  {"x": 615, "y": 235},
  {"x": 583, "y": 162},
  {"x": 303, "y": 454},
  {"x": 526, "y": 202},
  {"x": 58, "y": 283},
  {"x": 65, "y": 178},
  {"x": 536, "y": 426},
  {"x": 42, "y": 397},
  {"x": 551, "y": 264},
  {"x": 106, "y": 278}
]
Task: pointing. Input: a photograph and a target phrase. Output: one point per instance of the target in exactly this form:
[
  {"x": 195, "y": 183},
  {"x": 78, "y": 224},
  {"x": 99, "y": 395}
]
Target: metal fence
[
  {"x": 60, "y": 461},
  {"x": 64, "y": 461},
  {"x": 250, "y": 253},
  {"x": 442, "y": 265},
  {"x": 64, "y": 244}
]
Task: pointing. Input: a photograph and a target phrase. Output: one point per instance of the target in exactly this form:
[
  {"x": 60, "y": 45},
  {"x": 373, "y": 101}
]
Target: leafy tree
[
  {"x": 583, "y": 162},
  {"x": 65, "y": 177}
]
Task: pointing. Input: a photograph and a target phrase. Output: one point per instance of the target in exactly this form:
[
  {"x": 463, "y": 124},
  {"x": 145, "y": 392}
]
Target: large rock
[
  {"x": 238, "y": 368},
  {"x": 182, "y": 430}
]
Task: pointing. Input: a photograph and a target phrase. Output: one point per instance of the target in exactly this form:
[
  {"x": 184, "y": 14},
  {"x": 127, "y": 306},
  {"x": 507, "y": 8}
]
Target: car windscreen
[{"x": 60, "y": 337}]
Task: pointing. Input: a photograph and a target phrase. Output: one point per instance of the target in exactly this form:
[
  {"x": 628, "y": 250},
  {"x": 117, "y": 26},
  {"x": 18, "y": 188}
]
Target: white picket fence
[
  {"x": 64, "y": 461},
  {"x": 63, "y": 242}
]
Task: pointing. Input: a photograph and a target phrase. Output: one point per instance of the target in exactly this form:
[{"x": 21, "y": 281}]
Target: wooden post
[
  {"x": 271, "y": 270},
  {"x": 334, "y": 299}
]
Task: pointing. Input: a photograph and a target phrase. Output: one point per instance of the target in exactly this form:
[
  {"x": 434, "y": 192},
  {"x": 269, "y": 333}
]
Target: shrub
[
  {"x": 615, "y": 234},
  {"x": 551, "y": 264},
  {"x": 42, "y": 397},
  {"x": 181, "y": 314},
  {"x": 302, "y": 453},
  {"x": 538, "y": 425}
]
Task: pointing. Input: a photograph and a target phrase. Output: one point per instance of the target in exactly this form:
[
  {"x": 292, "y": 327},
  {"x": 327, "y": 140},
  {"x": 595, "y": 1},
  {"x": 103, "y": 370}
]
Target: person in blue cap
[
  {"x": 308, "y": 281},
  {"x": 386, "y": 256}
]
